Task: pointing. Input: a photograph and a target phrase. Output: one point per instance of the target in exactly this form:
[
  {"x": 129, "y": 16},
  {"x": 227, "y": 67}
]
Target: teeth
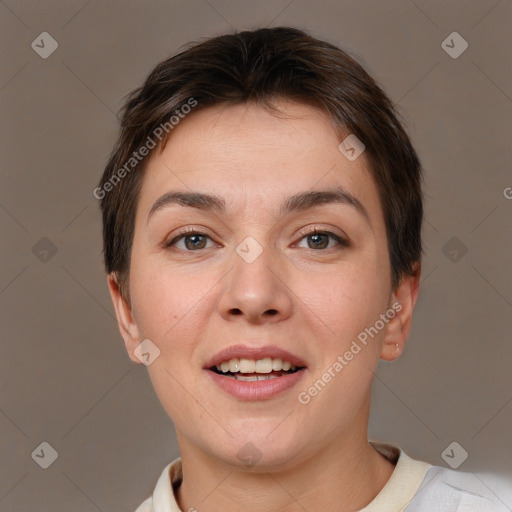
[
  {"x": 252, "y": 378},
  {"x": 265, "y": 365},
  {"x": 247, "y": 366}
]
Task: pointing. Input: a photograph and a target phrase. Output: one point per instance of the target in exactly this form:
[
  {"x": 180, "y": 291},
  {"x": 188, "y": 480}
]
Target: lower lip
[{"x": 256, "y": 390}]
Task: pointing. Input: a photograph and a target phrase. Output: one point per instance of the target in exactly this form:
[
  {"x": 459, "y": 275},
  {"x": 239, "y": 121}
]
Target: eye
[
  {"x": 317, "y": 239},
  {"x": 190, "y": 240}
]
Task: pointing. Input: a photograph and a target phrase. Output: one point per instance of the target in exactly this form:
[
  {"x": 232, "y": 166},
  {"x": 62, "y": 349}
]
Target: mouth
[
  {"x": 251, "y": 370},
  {"x": 250, "y": 373}
]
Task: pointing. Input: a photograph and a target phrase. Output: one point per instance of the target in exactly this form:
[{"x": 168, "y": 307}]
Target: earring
[{"x": 397, "y": 347}]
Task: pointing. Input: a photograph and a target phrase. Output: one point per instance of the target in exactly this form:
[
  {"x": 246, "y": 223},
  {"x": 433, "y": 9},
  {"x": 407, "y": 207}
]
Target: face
[{"x": 256, "y": 238}]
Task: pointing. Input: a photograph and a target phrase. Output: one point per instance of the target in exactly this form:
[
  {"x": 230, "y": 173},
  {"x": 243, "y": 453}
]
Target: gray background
[{"x": 65, "y": 378}]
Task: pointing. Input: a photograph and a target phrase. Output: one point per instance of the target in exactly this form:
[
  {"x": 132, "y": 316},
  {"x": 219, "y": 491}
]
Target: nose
[{"x": 256, "y": 291}]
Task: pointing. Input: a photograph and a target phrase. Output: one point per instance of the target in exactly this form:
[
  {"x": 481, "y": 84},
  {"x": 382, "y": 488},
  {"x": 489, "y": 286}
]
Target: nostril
[{"x": 269, "y": 312}]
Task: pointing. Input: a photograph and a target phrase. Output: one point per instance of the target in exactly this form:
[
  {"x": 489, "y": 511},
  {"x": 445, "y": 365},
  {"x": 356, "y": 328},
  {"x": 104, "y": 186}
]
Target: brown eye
[
  {"x": 318, "y": 240},
  {"x": 195, "y": 242},
  {"x": 190, "y": 241}
]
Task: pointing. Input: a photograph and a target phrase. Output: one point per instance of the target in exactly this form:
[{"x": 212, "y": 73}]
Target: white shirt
[{"x": 414, "y": 486}]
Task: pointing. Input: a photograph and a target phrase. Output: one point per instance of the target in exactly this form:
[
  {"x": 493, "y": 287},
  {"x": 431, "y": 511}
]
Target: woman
[{"x": 262, "y": 215}]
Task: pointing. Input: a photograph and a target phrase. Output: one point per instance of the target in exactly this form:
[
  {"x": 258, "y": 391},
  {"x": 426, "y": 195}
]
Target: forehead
[{"x": 252, "y": 156}]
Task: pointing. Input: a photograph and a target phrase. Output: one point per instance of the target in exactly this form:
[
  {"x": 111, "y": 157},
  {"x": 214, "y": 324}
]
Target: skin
[{"x": 312, "y": 302}]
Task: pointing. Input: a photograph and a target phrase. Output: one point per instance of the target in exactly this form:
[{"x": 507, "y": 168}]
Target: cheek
[
  {"x": 347, "y": 299},
  {"x": 165, "y": 302},
  {"x": 170, "y": 310}
]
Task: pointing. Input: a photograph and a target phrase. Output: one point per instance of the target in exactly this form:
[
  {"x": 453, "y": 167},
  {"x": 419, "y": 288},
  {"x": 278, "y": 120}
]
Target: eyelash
[
  {"x": 304, "y": 234},
  {"x": 343, "y": 242},
  {"x": 183, "y": 234}
]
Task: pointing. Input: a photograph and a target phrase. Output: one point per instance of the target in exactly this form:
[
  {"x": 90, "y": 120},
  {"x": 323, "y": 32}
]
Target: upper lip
[{"x": 246, "y": 352}]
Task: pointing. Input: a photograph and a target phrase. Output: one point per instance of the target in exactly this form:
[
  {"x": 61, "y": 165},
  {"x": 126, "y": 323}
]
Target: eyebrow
[{"x": 297, "y": 203}]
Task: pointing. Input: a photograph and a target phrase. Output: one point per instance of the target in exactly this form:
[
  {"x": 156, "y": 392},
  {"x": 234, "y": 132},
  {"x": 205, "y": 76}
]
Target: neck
[{"x": 345, "y": 478}]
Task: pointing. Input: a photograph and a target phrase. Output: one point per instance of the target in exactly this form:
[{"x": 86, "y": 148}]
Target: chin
[{"x": 259, "y": 454}]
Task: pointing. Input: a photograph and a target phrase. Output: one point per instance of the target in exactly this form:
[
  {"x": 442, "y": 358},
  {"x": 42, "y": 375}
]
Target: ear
[
  {"x": 127, "y": 326},
  {"x": 402, "y": 301}
]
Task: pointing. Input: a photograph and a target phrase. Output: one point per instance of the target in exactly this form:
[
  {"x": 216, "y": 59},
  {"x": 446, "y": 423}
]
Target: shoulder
[
  {"x": 146, "y": 506},
  {"x": 163, "y": 497},
  {"x": 446, "y": 490}
]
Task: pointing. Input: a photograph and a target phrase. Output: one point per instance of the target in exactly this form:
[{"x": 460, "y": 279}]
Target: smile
[
  {"x": 250, "y": 387},
  {"x": 273, "y": 366}
]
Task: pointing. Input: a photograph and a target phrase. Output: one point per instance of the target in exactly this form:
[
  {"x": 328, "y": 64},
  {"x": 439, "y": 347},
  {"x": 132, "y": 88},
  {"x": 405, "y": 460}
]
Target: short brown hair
[{"x": 259, "y": 67}]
